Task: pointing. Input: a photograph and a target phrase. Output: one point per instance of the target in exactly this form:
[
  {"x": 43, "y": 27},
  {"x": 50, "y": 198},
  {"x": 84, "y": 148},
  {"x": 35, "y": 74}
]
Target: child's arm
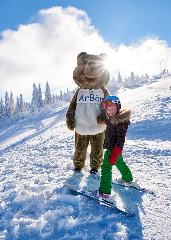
[
  {"x": 114, "y": 156},
  {"x": 121, "y": 130}
]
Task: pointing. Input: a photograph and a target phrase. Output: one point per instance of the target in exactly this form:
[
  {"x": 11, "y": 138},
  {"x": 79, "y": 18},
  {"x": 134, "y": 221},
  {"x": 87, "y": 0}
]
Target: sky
[{"x": 40, "y": 40}]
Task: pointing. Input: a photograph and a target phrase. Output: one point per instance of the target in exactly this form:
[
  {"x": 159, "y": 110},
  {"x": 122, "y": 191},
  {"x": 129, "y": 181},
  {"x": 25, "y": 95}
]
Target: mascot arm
[
  {"x": 102, "y": 117},
  {"x": 70, "y": 114},
  {"x": 106, "y": 92}
]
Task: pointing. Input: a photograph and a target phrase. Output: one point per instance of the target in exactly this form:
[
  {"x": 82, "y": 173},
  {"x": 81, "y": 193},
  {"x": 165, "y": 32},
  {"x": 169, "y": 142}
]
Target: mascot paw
[
  {"x": 100, "y": 121},
  {"x": 71, "y": 125},
  {"x": 102, "y": 118}
]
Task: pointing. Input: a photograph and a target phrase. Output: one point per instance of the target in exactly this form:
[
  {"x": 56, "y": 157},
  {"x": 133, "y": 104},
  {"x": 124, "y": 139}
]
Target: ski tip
[
  {"x": 130, "y": 214},
  {"x": 67, "y": 185},
  {"x": 148, "y": 191}
]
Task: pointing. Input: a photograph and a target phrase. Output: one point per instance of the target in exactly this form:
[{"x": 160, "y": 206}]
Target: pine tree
[
  {"x": 164, "y": 71},
  {"x": 34, "y": 101},
  {"x": 17, "y": 108},
  {"x": 61, "y": 95},
  {"x": 54, "y": 98},
  {"x": 48, "y": 96},
  {"x": 7, "y": 109},
  {"x": 146, "y": 76},
  {"x": 40, "y": 101},
  {"x": 11, "y": 105},
  {"x": 21, "y": 104},
  {"x": 27, "y": 106},
  {"x": 2, "y": 111},
  {"x": 133, "y": 76},
  {"x": 119, "y": 77}
]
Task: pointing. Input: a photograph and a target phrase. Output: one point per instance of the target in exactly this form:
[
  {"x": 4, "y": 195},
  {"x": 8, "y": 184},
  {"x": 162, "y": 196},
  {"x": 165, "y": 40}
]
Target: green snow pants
[{"x": 106, "y": 172}]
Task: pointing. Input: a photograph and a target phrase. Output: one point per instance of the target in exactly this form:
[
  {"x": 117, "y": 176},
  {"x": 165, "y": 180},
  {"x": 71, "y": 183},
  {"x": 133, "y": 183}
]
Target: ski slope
[{"x": 36, "y": 162}]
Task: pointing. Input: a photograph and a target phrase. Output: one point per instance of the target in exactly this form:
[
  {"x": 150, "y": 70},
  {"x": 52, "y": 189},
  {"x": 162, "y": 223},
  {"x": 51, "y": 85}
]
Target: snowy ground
[{"x": 36, "y": 161}]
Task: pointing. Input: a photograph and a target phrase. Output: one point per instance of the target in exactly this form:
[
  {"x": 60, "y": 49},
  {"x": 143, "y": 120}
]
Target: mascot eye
[
  {"x": 81, "y": 72},
  {"x": 85, "y": 61}
]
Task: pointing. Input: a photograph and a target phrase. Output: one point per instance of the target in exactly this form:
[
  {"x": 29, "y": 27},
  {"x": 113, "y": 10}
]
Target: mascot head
[{"x": 91, "y": 72}]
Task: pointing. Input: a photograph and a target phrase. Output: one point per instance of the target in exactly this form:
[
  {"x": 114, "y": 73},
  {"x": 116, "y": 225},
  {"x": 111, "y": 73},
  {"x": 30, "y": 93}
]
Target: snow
[{"x": 36, "y": 162}]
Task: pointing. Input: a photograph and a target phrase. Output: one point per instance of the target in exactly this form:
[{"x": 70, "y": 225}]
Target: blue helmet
[{"x": 114, "y": 99}]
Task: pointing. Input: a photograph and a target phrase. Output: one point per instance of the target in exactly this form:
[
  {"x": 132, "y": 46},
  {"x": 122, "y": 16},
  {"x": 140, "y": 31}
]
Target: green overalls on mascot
[{"x": 85, "y": 113}]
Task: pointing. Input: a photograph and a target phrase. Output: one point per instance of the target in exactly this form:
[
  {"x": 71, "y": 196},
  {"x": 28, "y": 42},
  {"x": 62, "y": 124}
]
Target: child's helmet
[{"x": 113, "y": 99}]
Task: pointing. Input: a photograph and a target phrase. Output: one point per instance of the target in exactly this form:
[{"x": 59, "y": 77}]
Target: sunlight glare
[{"x": 109, "y": 63}]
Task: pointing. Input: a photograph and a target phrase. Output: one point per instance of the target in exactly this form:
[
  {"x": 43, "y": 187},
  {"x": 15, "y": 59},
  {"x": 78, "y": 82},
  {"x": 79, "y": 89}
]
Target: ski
[
  {"x": 101, "y": 200},
  {"x": 135, "y": 186}
]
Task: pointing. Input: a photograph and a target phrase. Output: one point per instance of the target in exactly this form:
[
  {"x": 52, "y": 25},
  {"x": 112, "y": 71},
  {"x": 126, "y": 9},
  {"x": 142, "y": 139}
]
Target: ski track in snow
[{"x": 36, "y": 162}]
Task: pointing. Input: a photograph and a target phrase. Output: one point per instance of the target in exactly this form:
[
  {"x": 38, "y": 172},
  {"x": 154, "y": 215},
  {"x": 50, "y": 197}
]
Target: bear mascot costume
[{"x": 85, "y": 113}]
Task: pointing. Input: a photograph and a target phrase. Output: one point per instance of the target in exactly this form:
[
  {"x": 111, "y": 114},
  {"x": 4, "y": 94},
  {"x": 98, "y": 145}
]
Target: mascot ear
[
  {"x": 82, "y": 53},
  {"x": 103, "y": 55}
]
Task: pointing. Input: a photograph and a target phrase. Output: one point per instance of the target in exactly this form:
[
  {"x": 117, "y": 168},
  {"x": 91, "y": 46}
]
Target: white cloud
[
  {"x": 47, "y": 51},
  {"x": 148, "y": 56}
]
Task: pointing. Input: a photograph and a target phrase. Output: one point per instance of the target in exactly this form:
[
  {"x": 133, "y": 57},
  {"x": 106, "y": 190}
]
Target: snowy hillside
[{"x": 36, "y": 162}]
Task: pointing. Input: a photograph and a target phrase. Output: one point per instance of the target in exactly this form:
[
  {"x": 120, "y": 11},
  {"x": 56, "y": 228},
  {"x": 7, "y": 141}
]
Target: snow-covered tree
[
  {"x": 40, "y": 101},
  {"x": 53, "y": 98},
  {"x": 34, "y": 101},
  {"x": 146, "y": 76},
  {"x": 163, "y": 72},
  {"x": 7, "y": 108},
  {"x": 61, "y": 97},
  {"x": 131, "y": 81},
  {"x": 11, "y": 105},
  {"x": 17, "y": 108},
  {"x": 27, "y": 106},
  {"x": 119, "y": 77},
  {"x": 2, "y": 111},
  {"x": 48, "y": 96},
  {"x": 21, "y": 104}
]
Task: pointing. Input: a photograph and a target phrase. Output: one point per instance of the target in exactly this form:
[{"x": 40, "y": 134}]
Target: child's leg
[
  {"x": 124, "y": 169},
  {"x": 106, "y": 174}
]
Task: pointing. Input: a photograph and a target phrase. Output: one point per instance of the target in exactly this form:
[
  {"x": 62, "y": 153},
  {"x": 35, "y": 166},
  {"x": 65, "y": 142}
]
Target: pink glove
[{"x": 114, "y": 156}]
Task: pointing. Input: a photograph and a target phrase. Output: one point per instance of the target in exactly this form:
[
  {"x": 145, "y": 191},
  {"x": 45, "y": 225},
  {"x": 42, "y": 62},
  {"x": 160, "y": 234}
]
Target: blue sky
[
  {"x": 118, "y": 21},
  {"x": 40, "y": 40}
]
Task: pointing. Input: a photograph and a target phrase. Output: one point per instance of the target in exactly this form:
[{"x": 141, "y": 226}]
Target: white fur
[{"x": 87, "y": 112}]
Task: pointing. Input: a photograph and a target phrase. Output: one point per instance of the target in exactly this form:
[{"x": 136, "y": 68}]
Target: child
[{"x": 117, "y": 125}]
